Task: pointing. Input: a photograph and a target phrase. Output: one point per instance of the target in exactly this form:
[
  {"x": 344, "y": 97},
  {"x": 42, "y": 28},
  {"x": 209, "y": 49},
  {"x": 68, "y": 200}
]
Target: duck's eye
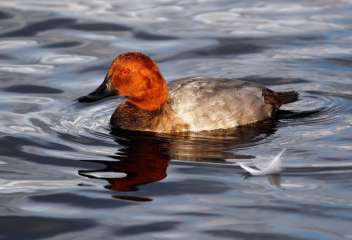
[{"x": 125, "y": 71}]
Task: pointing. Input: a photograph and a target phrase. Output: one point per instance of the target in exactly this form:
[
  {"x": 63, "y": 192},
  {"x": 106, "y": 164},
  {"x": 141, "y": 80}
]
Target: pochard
[{"x": 191, "y": 104}]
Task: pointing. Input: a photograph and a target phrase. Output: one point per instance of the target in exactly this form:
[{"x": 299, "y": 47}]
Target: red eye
[{"x": 125, "y": 71}]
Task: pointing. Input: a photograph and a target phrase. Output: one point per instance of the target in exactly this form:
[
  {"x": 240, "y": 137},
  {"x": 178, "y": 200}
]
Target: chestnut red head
[{"x": 136, "y": 76}]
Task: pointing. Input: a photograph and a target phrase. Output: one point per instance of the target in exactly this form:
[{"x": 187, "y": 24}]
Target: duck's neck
[{"x": 153, "y": 99}]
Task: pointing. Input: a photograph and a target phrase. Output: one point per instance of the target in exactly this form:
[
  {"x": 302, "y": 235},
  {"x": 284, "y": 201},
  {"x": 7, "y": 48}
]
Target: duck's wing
[{"x": 210, "y": 103}]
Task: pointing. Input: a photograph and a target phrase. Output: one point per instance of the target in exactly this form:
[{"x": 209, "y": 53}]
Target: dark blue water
[{"x": 65, "y": 175}]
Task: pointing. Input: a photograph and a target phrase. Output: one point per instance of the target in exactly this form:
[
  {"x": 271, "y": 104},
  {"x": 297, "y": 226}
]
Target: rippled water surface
[{"x": 65, "y": 175}]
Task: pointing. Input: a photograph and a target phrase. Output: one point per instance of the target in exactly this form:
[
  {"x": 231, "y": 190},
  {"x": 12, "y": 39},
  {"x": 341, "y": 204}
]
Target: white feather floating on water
[{"x": 272, "y": 167}]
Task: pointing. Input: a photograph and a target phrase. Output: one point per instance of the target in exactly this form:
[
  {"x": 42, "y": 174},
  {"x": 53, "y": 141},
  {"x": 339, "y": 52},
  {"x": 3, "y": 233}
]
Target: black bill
[{"x": 104, "y": 90}]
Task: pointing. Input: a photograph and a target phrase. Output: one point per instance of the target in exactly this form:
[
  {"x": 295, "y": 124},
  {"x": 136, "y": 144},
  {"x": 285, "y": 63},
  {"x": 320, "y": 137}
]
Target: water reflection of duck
[
  {"x": 186, "y": 105},
  {"x": 144, "y": 157}
]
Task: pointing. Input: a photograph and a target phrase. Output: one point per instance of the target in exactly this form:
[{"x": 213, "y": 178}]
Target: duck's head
[{"x": 136, "y": 76}]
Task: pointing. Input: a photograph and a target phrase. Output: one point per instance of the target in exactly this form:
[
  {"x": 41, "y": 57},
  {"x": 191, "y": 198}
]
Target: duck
[{"x": 191, "y": 104}]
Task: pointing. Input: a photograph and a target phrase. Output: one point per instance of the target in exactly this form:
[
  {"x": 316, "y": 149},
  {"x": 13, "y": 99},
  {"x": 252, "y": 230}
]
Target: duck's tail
[{"x": 287, "y": 97}]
